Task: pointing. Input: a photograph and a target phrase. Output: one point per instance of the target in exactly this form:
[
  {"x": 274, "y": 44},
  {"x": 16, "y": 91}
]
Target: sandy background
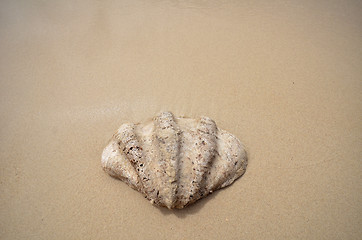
[{"x": 283, "y": 76}]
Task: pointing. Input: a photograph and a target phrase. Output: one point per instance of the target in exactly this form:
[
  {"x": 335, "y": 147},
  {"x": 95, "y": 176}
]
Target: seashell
[{"x": 174, "y": 161}]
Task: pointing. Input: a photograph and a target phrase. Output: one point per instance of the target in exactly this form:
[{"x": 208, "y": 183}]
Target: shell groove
[{"x": 174, "y": 161}]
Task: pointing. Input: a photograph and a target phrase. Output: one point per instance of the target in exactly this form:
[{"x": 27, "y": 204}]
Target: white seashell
[{"x": 174, "y": 161}]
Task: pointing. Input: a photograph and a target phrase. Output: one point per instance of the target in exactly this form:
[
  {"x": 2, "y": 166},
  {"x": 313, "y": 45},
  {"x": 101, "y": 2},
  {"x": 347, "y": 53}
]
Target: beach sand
[{"x": 284, "y": 77}]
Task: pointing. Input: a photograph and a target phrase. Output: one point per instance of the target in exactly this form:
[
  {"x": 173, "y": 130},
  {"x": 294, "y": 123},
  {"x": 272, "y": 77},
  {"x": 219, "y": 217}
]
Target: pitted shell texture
[{"x": 174, "y": 161}]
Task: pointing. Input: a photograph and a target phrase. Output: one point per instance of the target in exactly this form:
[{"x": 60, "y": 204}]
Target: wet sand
[{"x": 284, "y": 77}]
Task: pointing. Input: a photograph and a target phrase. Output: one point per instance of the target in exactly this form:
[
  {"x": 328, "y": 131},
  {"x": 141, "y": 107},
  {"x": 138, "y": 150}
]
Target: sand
[{"x": 284, "y": 77}]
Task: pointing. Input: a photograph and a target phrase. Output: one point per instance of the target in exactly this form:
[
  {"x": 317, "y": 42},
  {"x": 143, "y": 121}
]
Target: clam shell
[{"x": 174, "y": 161}]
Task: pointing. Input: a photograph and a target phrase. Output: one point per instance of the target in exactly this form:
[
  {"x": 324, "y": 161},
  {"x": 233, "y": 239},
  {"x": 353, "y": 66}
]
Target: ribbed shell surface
[{"x": 174, "y": 161}]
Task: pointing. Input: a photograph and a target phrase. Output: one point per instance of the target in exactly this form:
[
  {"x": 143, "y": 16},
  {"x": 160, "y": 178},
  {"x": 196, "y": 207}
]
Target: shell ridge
[
  {"x": 167, "y": 139},
  {"x": 112, "y": 163},
  {"x": 238, "y": 158},
  {"x": 132, "y": 150},
  {"x": 205, "y": 148},
  {"x": 215, "y": 179},
  {"x": 231, "y": 162},
  {"x": 183, "y": 163}
]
